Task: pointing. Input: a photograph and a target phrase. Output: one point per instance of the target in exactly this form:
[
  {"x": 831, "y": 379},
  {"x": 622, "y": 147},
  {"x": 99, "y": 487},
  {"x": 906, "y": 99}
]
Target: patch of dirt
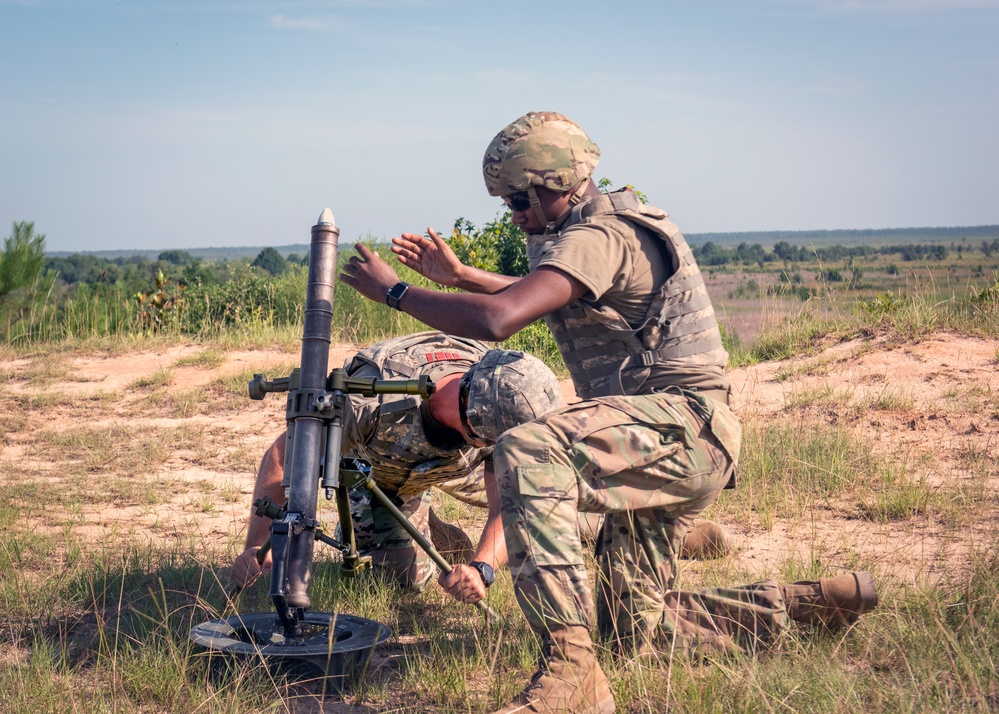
[
  {"x": 931, "y": 408},
  {"x": 933, "y": 404},
  {"x": 202, "y": 496}
]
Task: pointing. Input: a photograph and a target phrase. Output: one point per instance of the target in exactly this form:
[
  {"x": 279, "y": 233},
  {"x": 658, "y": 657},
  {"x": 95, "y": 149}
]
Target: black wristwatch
[
  {"x": 485, "y": 572},
  {"x": 394, "y": 294}
]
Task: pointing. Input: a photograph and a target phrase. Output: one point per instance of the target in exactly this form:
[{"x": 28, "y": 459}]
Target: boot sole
[
  {"x": 605, "y": 707},
  {"x": 867, "y": 599}
]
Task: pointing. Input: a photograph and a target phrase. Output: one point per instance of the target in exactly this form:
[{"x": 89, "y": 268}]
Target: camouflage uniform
[
  {"x": 393, "y": 433},
  {"x": 651, "y": 464},
  {"x": 653, "y": 444}
]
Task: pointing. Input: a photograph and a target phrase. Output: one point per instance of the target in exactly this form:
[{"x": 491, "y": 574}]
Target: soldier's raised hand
[
  {"x": 430, "y": 257},
  {"x": 368, "y": 274}
]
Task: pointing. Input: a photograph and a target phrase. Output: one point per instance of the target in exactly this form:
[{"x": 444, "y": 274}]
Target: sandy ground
[{"x": 933, "y": 404}]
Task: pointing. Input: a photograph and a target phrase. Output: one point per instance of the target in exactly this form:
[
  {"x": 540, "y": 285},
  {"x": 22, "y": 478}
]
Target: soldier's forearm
[
  {"x": 268, "y": 484},
  {"x": 492, "y": 544},
  {"x": 477, "y": 280}
]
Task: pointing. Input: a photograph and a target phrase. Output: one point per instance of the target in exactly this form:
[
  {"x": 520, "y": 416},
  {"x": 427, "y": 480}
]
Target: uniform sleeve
[
  {"x": 595, "y": 254},
  {"x": 359, "y": 421}
]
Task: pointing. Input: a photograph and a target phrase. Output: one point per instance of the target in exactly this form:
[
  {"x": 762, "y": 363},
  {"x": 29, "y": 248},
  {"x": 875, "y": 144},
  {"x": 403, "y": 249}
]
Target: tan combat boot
[
  {"x": 706, "y": 540},
  {"x": 569, "y": 680},
  {"x": 831, "y": 601},
  {"x": 450, "y": 541}
]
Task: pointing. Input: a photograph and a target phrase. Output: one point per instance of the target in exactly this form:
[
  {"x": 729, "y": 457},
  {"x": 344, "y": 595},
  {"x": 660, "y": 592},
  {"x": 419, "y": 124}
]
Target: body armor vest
[
  {"x": 677, "y": 344},
  {"x": 401, "y": 456}
]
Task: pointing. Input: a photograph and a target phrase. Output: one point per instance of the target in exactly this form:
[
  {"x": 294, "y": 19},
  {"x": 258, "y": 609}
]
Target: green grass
[
  {"x": 784, "y": 469},
  {"x": 792, "y": 335},
  {"x": 113, "y": 637},
  {"x": 99, "y": 624},
  {"x": 897, "y": 495},
  {"x": 210, "y": 358},
  {"x": 160, "y": 378}
]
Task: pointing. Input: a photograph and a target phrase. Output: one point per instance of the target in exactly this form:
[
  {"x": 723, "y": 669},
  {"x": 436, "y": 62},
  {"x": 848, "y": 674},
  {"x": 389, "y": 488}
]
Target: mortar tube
[{"x": 309, "y": 431}]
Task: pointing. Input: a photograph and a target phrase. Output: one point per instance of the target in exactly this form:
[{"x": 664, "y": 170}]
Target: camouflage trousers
[
  {"x": 651, "y": 463},
  {"x": 394, "y": 554},
  {"x": 723, "y": 619}
]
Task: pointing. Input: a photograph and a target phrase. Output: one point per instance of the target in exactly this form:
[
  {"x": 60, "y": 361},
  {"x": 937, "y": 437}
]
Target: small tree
[
  {"x": 785, "y": 251},
  {"x": 23, "y": 259},
  {"x": 24, "y": 282},
  {"x": 271, "y": 261},
  {"x": 177, "y": 257},
  {"x": 163, "y": 306}
]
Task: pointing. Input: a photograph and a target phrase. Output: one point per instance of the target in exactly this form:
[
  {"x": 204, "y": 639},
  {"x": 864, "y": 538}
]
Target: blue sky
[{"x": 186, "y": 124}]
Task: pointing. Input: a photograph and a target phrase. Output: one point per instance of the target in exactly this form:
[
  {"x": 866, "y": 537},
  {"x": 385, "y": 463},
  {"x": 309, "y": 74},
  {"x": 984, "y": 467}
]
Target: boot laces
[
  {"x": 536, "y": 682},
  {"x": 543, "y": 668}
]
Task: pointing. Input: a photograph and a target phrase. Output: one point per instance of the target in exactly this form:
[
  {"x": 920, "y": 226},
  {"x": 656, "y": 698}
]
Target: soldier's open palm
[{"x": 430, "y": 257}]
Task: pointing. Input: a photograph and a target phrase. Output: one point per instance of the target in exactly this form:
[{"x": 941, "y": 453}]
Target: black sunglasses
[{"x": 519, "y": 201}]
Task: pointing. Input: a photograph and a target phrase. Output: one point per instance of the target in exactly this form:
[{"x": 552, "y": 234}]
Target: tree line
[{"x": 711, "y": 254}]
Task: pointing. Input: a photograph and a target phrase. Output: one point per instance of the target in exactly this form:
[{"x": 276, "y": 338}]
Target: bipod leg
[
  {"x": 353, "y": 562},
  {"x": 492, "y": 617}
]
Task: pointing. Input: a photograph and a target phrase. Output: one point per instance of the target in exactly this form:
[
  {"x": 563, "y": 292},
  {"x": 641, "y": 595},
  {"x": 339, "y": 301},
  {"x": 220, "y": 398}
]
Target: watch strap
[
  {"x": 394, "y": 294},
  {"x": 485, "y": 572}
]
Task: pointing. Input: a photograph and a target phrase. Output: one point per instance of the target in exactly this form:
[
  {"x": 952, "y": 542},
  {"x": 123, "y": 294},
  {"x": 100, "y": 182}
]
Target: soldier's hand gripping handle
[{"x": 492, "y": 617}]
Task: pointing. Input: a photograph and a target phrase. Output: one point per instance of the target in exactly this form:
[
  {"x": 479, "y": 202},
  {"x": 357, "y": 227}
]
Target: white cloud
[{"x": 313, "y": 23}]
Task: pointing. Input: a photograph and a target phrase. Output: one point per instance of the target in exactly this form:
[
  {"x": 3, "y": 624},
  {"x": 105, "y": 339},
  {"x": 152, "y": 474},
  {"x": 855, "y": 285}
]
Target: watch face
[
  {"x": 486, "y": 571},
  {"x": 395, "y": 293}
]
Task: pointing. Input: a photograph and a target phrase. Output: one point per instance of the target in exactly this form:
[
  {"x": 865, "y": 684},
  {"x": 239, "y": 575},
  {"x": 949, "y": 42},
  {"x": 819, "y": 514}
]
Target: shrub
[
  {"x": 163, "y": 306},
  {"x": 24, "y": 282},
  {"x": 247, "y": 298},
  {"x": 271, "y": 261},
  {"x": 499, "y": 247}
]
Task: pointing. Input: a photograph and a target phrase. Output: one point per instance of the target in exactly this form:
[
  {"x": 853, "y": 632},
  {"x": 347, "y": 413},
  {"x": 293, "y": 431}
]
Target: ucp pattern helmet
[
  {"x": 539, "y": 149},
  {"x": 507, "y": 388}
]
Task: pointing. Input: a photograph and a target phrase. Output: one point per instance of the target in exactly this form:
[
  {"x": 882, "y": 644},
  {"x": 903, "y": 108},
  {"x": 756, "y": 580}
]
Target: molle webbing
[{"x": 680, "y": 323}]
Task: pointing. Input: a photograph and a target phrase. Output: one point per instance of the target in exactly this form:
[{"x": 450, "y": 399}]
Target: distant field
[
  {"x": 823, "y": 275},
  {"x": 857, "y": 236},
  {"x": 819, "y": 238},
  {"x": 748, "y": 298}
]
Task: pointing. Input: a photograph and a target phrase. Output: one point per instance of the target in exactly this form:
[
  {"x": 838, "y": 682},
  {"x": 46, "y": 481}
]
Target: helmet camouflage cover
[
  {"x": 539, "y": 149},
  {"x": 507, "y": 388}
]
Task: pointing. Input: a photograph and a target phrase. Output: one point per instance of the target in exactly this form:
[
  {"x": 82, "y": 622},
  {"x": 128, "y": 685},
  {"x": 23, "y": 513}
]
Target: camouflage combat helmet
[
  {"x": 539, "y": 149},
  {"x": 504, "y": 389}
]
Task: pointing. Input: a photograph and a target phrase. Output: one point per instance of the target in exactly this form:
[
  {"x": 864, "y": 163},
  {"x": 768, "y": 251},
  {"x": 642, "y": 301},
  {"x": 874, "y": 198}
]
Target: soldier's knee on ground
[
  {"x": 589, "y": 526},
  {"x": 413, "y": 578},
  {"x": 706, "y": 540}
]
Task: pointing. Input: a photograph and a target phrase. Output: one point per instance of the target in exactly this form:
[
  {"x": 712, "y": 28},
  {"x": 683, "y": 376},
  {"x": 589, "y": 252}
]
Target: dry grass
[{"x": 123, "y": 503}]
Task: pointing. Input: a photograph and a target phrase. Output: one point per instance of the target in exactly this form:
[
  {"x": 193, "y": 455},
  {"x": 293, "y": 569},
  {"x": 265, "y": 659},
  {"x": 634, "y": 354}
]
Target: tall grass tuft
[
  {"x": 783, "y": 469},
  {"x": 791, "y": 336}
]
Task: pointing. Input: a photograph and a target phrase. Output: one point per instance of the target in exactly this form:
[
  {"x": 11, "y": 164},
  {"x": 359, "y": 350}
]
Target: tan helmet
[
  {"x": 539, "y": 149},
  {"x": 504, "y": 389}
]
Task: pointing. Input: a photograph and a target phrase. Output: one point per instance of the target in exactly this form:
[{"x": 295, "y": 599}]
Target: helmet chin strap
[
  {"x": 532, "y": 194},
  {"x": 575, "y": 198}
]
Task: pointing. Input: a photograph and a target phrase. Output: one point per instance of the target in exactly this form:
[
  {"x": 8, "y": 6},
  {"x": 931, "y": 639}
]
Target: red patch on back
[{"x": 442, "y": 356}]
